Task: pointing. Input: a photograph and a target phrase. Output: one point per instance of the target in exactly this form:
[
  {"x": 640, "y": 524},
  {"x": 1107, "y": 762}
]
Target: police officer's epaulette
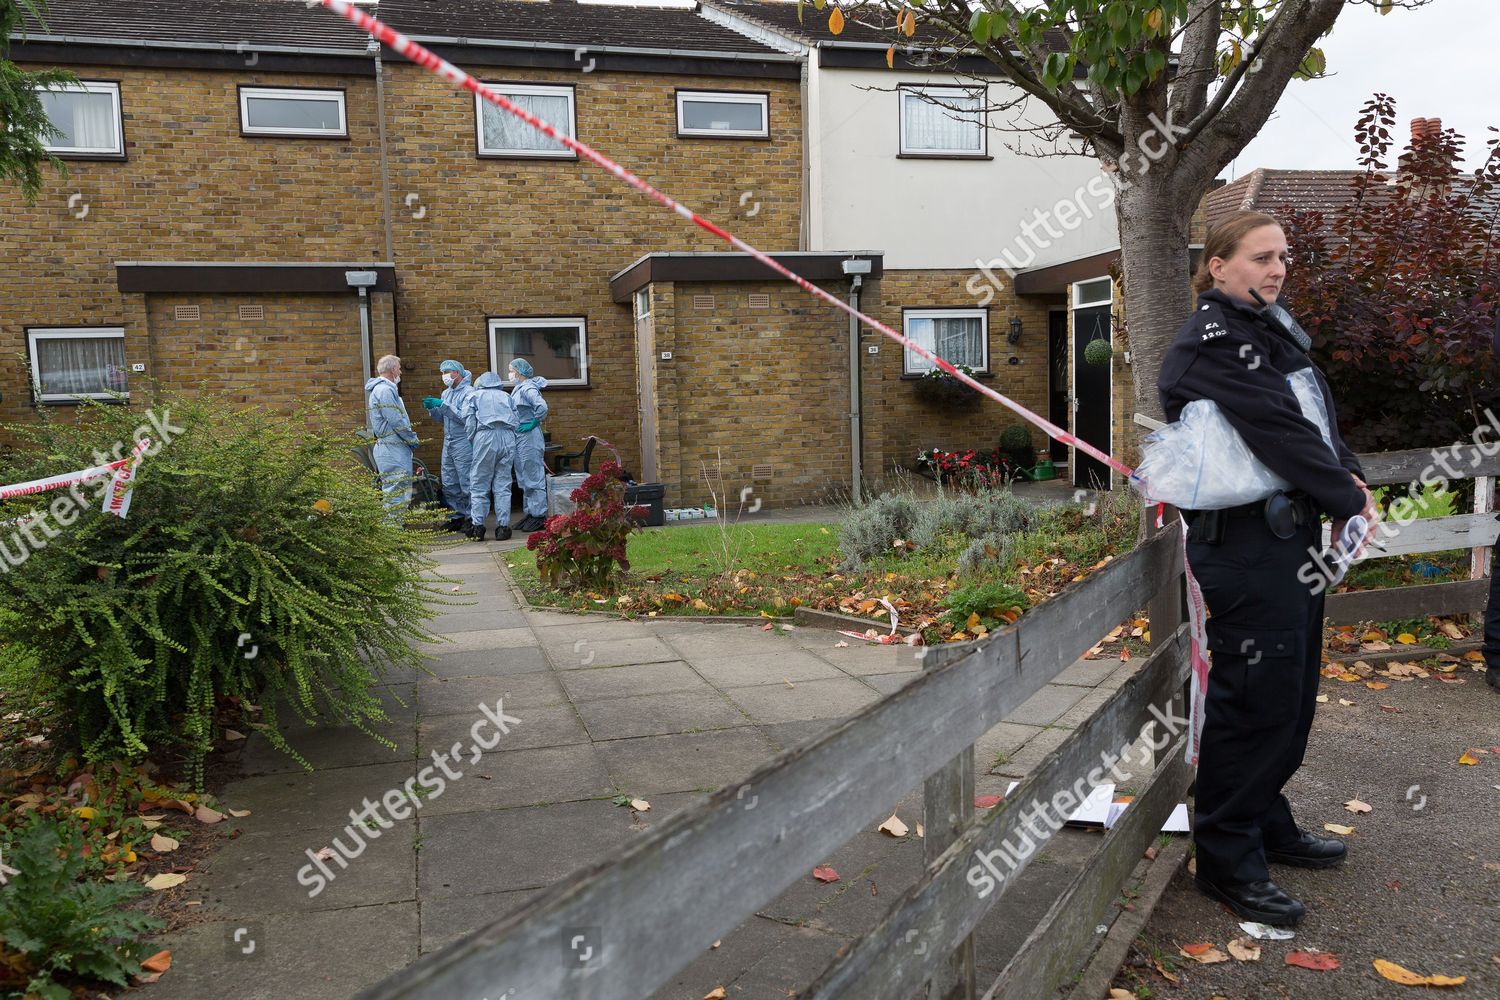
[{"x": 1210, "y": 323}]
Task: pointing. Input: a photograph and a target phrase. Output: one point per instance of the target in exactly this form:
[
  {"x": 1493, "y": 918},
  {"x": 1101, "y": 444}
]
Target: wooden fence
[{"x": 1475, "y": 531}]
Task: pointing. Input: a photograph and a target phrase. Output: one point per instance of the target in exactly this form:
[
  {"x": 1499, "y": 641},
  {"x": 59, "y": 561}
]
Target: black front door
[
  {"x": 1092, "y": 395},
  {"x": 1057, "y": 378}
]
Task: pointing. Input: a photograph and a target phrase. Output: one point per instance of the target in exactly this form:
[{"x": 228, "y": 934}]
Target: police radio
[{"x": 1282, "y": 322}]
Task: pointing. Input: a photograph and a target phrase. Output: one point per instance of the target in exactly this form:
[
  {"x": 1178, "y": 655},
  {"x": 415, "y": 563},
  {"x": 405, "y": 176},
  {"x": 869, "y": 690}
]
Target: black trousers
[
  {"x": 1492, "y": 616},
  {"x": 1265, "y": 636}
]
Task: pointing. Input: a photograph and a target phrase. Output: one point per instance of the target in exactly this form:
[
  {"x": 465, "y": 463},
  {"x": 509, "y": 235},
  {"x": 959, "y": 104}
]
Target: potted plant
[
  {"x": 1098, "y": 352},
  {"x": 1016, "y": 447},
  {"x": 939, "y": 387}
]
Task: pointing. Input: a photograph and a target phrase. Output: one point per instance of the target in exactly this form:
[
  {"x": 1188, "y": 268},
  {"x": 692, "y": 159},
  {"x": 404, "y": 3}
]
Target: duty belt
[{"x": 1282, "y": 512}]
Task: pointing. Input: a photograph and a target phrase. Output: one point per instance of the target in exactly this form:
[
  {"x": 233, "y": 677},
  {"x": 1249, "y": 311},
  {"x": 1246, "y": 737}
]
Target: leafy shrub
[
  {"x": 996, "y": 512},
  {"x": 580, "y": 550},
  {"x": 871, "y": 530},
  {"x": 984, "y": 554},
  {"x": 1014, "y": 438},
  {"x": 255, "y": 563},
  {"x": 52, "y": 923},
  {"x": 988, "y": 600}
]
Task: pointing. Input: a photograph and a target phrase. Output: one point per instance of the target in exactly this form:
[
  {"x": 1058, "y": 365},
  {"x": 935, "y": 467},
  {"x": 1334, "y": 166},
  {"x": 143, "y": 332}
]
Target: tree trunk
[{"x": 1154, "y": 215}]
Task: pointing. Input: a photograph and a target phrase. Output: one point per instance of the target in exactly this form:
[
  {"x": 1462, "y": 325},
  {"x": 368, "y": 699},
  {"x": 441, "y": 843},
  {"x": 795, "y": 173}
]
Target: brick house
[{"x": 230, "y": 174}]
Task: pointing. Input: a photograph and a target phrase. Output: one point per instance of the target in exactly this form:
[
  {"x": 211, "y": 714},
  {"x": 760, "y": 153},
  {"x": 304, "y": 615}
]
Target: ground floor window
[
  {"x": 958, "y": 336},
  {"x": 77, "y": 362},
  {"x": 557, "y": 347}
]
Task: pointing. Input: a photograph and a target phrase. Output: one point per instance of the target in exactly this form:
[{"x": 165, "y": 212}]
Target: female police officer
[{"x": 1265, "y": 628}]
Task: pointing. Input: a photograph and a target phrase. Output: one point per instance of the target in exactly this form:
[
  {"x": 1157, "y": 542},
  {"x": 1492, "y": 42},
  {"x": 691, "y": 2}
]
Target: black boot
[
  {"x": 455, "y": 523},
  {"x": 502, "y": 532},
  {"x": 1308, "y": 851},
  {"x": 1261, "y": 901},
  {"x": 476, "y": 532}
]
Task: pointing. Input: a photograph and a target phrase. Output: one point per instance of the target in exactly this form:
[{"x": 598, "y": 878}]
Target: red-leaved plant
[{"x": 581, "y": 550}]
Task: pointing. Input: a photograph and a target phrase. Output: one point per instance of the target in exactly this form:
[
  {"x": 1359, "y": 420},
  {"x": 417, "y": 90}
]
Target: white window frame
[
  {"x": 984, "y": 336},
  {"x": 576, "y": 323},
  {"x": 93, "y": 87},
  {"x": 761, "y": 101},
  {"x": 1080, "y": 302},
  {"x": 509, "y": 89},
  {"x": 940, "y": 93},
  {"x": 34, "y": 334},
  {"x": 292, "y": 94}
]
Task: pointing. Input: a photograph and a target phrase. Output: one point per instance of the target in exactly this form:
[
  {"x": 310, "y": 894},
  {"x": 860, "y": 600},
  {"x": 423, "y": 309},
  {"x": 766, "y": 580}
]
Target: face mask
[
  {"x": 449, "y": 379},
  {"x": 398, "y": 379}
]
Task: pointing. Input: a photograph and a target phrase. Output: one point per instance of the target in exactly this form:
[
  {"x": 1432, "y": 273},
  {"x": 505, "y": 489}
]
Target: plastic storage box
[
  {"x": 650, "y": 496},
  {"x": 560, "y": 492}
]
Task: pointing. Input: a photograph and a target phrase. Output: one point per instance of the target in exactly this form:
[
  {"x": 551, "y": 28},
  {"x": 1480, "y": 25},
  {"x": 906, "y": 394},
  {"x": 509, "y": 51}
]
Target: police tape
[{"x": 121, "y": 474}]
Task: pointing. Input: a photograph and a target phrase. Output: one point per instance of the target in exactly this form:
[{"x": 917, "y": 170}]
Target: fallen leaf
[
  {"x": 1406, "y": 977},
  {"x": 1349, "y": 678},
  {"x": 1356, "y": 806},
  {"x": 1390, "y": 708},
  {"x": 1338, "y": 828},
  {"x": 640, "y": 805},
  {"x": 1474, "y": 654},
  {"x": 825, "y": 874},
  {"x": 1318, "y": 961},
  {"x": 1376, "y": 685},
  {"x": 1166, "y": 973},
  {"x": 160, "y": 962},
  {"x": 894, "y": 827},
  {"x": 206, "y": 815},
  {"x": 161, "y": 843},
  {"x": 1193, "y": 950},
  {"x": 1321, "y": 699},
  {"x": 239, "y": 813},
  {"x": 1468, "y": 758},
  {"x": 1244, "y": 950},
  {"x": 86, "y": 812},
  {"x": 1345, "y": 702},
  {"x": 324, "y": 854},
  {"x": 165, "y": 880},
  {"x": 1118, "y": 994},
  {"x": 233, "y": 734},
  {"x": 1451, "y": 630},
  {"x": 717, "y": 993},
  {"x": 841, "y": 644},
  {"x": 987, "y": 801},
  {"x": 1208, "y": 955},
  {"x": 715, "y": 945}
]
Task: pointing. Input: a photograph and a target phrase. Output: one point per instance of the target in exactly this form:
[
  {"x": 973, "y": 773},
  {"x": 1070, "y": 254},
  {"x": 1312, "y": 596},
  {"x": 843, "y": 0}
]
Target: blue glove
[{"x": 431, "y": 402}]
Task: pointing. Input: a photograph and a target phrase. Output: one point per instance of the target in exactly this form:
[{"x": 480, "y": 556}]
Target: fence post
[
  {"x": 1165, "y": 610},
  {"x": 948, "y": 807},
  {"x": 1479, "y": 558}
]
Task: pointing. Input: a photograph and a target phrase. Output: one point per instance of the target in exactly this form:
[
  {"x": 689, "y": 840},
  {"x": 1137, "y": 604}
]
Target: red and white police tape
[
  {"x": 121, "y": 473},
  {"x": 441, "y": 67}
]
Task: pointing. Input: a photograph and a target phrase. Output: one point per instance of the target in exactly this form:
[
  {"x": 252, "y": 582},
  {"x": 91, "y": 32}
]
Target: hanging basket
[{"x": 1098, "y": 352}]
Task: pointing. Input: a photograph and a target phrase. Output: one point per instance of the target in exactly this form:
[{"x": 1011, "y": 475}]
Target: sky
[{"x": 1437, "y": 62}]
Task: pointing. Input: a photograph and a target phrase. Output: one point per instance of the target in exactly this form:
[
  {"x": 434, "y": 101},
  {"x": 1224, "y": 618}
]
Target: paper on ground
[{"x": 1100, "y": 809}]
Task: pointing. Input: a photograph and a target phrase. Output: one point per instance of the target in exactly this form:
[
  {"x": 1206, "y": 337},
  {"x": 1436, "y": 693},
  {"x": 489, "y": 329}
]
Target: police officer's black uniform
[
  {"x": 1265, "y": 628},
  {"x": 1492, "y": 612}
]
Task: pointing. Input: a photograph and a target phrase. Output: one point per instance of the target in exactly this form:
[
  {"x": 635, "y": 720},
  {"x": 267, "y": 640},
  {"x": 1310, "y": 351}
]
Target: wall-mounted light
[{"x": 1015, "y": 331}]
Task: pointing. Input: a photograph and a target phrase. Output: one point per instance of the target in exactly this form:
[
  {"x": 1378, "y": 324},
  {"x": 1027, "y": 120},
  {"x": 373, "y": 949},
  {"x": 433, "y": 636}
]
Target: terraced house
[{"x": 260, "y": 200}]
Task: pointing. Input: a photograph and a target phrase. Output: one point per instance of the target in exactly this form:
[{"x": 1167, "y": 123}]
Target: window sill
[
  {"x": 121, "y": 400},
  {"x": 944, "y": 156},
  {"x": 714, "y": 135},
  {"x": 332, "y": 136},
  {"x": 525, "y": 156},
  {"x": 103, "y": 157},
  {"x": 983, "y": 376}
]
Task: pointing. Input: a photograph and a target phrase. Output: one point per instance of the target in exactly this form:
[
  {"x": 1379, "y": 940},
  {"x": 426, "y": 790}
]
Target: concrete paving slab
[
  {"x": 325, "y": 747},
  {"x": 323, "y": 799},
  {"x": 448, "y": 919},
  {"x": 523, "y": 848},
  {"x": 768, "y": 667},
  {"x": 569, "y": 653},
  {"x": 488, "y": 662},
  {"x": 578, "y": 627},
  {"x": 1003, "y": 738},
  {"x": 543, "y": 617},
  {"x": 856, "y": 861},
  {"x": 1035, "y": 750},
  {"x": 267, "y": 872},
  {"x": 317, "y": 955},
  {"x": 549, "y": 726},
  {"x": 524, "y": 778},
  {"x": 808, "y": 700},
  {"x": 706, "y": 641},
  {"x": 658, "y": 714},
  {"x": 1087, "y": 673},
  {"x": 890, "y": 683},
  {"x": 787, "y": 735},
  {"x": 737, "y": 954},
  {"x": 872, "y": 658},
  {"x": 685, "y": 761},
  {"x": 1047, "y": 705},
  {"x": 481, "y": 639},
  {"x": 795, "y": 962},
  {"x": 634, "y": 679},
  {"x": 462, "y": 695},
  {"x": 1084, "y": 708},
  {"x": 478, "y": 617}
]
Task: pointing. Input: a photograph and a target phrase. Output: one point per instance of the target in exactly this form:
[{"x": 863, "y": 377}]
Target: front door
[
  {"x": 645, "y": 348},
  {"x": 1092, "y": 402}
]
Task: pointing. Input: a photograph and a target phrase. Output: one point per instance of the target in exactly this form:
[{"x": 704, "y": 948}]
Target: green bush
[
  {"x": 993, "y": 512},
  {"x": 52, "y": 923},
  {"x": 988, "y": 600},
  {"x": 1014, "y": 438},
  {"x": 255, "y": 562}
]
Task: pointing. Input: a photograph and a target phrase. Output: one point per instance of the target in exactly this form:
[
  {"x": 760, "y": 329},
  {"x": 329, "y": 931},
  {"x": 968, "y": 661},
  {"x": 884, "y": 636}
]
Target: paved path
[{"x": 666, "y": 709}]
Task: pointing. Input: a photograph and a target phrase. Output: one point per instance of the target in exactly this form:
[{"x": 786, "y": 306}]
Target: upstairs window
[
  {"x": 72, "y": 363},
  {"x": 87, "y": 117},
  {"x": 942, "y": 121},
  {"x": 317, "y": 114},
  {"x": 501, "y": 133},
  {"x": 722, "y": 114}
]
